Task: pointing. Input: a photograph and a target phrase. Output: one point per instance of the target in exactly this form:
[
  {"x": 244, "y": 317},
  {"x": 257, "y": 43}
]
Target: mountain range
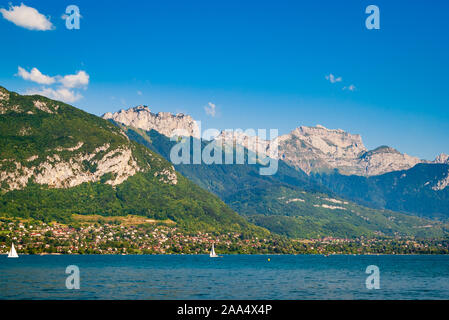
[
  {"x": 57, "y": 160},
  {"x": 263, "y": 200},
  {"x": 310, "y": 149}
]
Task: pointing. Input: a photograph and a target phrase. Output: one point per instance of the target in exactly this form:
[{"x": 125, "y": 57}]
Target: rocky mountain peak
[
  {"x": 328, "y": 141},
  {"x": 321, "y": 149},
  {"x": 318, "y": 149},
  {"x": 442, "y": 158},
  {"x": 311, "y": 149},
  {"x": 380, "y": 150},
  {"x": 251, "y": 142},
  {"x": 165, "y": 123}
]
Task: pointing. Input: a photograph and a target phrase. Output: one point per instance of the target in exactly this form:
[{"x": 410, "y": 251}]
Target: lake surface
[{"x": 229, "y": 277}]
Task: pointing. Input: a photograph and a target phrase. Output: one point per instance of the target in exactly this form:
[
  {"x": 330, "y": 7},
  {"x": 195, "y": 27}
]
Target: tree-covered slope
[
  {"x": 56, "y": 160},
  {"x": 294, "y": 213},
  {"x": 420, "y": 190}
]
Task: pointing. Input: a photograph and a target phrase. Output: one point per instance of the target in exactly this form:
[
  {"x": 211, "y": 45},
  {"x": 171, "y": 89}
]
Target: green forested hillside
[
  {"x": 38, "y": 135},
  {"x": 411, "y": 191},
  {"x": 304, "y": 214}
]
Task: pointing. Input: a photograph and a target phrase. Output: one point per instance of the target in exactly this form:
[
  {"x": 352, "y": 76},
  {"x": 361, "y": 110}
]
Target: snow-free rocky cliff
[
  {"x": 442, "y": 158},
  {"x": 318, "y": 149},
  {"x": 311, "y": 149},
  {"x": 165, "y": 123}
]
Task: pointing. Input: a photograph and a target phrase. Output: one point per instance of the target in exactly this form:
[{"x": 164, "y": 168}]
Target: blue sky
[{"x": 263, "y": 64}]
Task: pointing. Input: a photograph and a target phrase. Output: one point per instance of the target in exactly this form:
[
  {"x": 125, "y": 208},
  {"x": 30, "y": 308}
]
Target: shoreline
[{"x": 233, "y": 254}]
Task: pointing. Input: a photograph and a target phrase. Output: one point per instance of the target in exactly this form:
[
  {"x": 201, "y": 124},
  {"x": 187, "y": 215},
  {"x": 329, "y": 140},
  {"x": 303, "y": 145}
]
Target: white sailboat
[
  {"x": 212, "y": 252},
  {"x": 12, "y": 253}
]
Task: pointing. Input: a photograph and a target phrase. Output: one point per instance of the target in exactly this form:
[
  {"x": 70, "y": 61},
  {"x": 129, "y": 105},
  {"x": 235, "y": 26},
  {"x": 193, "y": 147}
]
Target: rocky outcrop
[
  {"x": 442, "y": 183},
  {"x": 42, "y": 106},
  {"x": 4, "y": 95},
  {"x": 165, "y": 123},
  {"x": 382, "y": 160},
  {"x": 6, "y": 105},
  {"x": 318, "y": 149},
  {"x": 248, "y": 140},
  {"x": 442, "y": 158},
  {"x": 167, "y": 176},
  {"x": 58, "y": 173}
]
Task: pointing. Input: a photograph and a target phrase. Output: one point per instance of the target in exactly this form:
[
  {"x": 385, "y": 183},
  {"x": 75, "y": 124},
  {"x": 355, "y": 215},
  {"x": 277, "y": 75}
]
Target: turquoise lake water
[{"x": 229, "y": 277}]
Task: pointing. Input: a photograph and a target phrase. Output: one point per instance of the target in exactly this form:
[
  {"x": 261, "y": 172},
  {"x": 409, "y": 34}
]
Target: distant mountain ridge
[
  {"x": 318, "y": 149},
  {"x": 310, "y": 149},
  {"x": 442, "y": 158}
]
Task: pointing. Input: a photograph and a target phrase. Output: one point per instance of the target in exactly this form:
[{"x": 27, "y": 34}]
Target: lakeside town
[{"x": 137, "y": 235}]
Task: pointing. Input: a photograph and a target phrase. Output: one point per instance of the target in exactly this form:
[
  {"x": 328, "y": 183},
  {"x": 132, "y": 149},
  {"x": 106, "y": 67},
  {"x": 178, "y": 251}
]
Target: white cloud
[
  {"x": 350, "y": 87},
  {"x": 62, "y": 94},
  {"x": 80, "y": 79},
  {"x": 139, "y": 92},
  {"x": 66, "y": 83},
  {"x": 35, "y": 75},
  {"x": 210, "y": 109},
  {"x": 27, "y": 17},
  {"x": 333, "y": 79}
]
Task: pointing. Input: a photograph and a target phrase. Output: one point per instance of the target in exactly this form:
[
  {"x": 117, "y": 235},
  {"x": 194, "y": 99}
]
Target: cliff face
[
  {"x": 382, "y": 160},
  {"x": 321, "y": 149},
  {"x": 165, "y": 123},
  {"x": 310, "y": 149},
  {"x": 74, "y": 170},
  {"x": 442, "y": 158},
  {"x": 318, "y": 149}
]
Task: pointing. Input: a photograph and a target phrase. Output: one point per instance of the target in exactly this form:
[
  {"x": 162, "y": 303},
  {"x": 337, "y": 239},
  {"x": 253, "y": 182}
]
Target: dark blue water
[{"x": 229, "y": 277}]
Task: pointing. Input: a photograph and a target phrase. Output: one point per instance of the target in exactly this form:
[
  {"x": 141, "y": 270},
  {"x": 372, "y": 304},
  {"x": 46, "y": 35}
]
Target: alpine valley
[
  {"x": 310, "y": 195},
  {"x": 108, "y": 183}
]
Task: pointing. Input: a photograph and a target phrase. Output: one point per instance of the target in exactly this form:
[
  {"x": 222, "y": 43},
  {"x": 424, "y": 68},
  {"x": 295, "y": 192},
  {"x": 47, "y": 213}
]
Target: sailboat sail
[
  {"x": 12, "y": 253},
  {"x": 212, "y": 252}
]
